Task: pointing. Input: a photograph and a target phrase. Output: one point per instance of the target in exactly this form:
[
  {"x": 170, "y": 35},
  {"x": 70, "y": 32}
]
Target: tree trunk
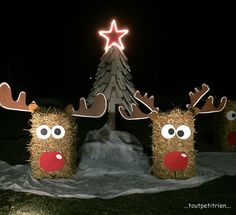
[
  {"x": 112, "y": 110},
  {"x": 112, "y": 120}
]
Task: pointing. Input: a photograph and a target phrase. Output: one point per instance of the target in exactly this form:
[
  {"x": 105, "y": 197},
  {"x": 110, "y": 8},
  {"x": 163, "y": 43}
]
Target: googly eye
[
  {"x": 43, "y": 132},
  {"x": 168, "y": 131},
  {"x": 183, "y": 132},
  {"x": 231, "y": 115},
  {"x": 58, "y": 132}
]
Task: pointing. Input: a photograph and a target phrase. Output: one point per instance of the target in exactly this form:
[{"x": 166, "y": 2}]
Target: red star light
[{"x": 113, "y": 36}]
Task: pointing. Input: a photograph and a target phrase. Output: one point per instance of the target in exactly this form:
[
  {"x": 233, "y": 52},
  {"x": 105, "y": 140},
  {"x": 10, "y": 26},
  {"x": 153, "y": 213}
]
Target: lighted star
[{"x": 113, "y": 36}]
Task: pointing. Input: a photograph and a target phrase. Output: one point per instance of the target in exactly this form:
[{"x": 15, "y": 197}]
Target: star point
[{"x": 113, "y": 36}]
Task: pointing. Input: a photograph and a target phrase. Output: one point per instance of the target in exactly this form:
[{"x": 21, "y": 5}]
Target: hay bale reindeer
[
  {"x": 226, "y": 127},
  {"x": 173, "y": 133},
  {"x": 53, "y": 143}
]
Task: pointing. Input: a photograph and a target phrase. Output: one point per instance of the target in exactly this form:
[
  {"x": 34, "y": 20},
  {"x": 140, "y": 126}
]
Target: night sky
[{"x": 54, "y": 50}]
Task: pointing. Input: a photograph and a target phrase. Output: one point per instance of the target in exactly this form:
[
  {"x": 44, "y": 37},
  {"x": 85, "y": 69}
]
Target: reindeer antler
[
  {"x": 97, "y": 109},
  {"x": 208, "y": 107},
  {"x": 7, "y": 102},
  {"x": 136, "y": 113},
  {"x": 148, "y": 102},
  {"x": 197, "y": 95}
]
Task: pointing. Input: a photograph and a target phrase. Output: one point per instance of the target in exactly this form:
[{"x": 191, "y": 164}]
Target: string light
[{"x": 113, "y": 36}]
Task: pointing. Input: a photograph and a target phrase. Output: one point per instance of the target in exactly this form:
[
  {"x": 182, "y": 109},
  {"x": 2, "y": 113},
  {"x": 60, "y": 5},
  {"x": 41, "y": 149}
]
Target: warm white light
[{"x": 113, "y": 36}]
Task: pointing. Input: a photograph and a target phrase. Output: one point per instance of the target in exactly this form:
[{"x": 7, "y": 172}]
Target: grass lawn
[
  {"x": 13, "y": 139},
  {"x": 219, "y": 192}
]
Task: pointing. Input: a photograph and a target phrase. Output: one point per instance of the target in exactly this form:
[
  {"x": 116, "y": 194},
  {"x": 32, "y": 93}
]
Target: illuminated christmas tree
[{"x": 113, "y": 77}]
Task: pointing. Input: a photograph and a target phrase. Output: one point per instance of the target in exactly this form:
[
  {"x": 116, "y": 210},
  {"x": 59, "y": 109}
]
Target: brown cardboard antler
[
  {"x": 7, "y": 102},
  {"x": 97, "y": 109},
  {"x": 208, "y": 107},
  {"x": 136, "y": 113}
]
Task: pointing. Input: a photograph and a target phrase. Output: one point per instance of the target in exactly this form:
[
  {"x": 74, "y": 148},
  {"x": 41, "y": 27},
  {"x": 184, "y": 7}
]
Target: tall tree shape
[{"x": 113, "y": 77}]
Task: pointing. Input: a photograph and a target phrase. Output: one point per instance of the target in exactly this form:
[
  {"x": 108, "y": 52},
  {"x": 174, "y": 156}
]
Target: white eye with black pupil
[
  {"x": 43, "y": 132},
  {"x": 183, "y": 132},
  {"x": 58, "y": 132},
  {"x": 231, "y": 115},
  {"x": 168, "y": 131}
]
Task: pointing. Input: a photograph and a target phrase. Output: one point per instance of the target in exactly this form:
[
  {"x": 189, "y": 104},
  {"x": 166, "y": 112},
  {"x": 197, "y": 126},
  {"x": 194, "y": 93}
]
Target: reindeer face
[
  {"x": 173, "y": 141},
  {"x": 173, "y": 132},
  {"x": 52, "y": 146},
  {"x": 227, "y": 127},
  {"x": 230, "y": 124}
]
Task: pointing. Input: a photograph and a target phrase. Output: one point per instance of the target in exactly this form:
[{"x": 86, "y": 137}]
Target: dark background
[{"x": 54, "y": 50}]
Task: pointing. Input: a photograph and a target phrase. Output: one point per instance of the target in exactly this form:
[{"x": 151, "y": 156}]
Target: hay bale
[
  {"x": 173, "y": 154},
  {"x": 53, "y": 144},
  {"x": 225, "y": 124}
]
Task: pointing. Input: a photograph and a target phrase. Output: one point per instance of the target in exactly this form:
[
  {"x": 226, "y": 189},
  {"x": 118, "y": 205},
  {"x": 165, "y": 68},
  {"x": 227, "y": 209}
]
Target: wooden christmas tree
[{"x": 113, "y": 77}]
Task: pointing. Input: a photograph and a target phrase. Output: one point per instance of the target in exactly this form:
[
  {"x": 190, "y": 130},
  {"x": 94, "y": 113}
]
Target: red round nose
[
  {"x": 52, "y": 161},
  {"x": 176, "y": 161},
  {"x": 231, "y": 138}
]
